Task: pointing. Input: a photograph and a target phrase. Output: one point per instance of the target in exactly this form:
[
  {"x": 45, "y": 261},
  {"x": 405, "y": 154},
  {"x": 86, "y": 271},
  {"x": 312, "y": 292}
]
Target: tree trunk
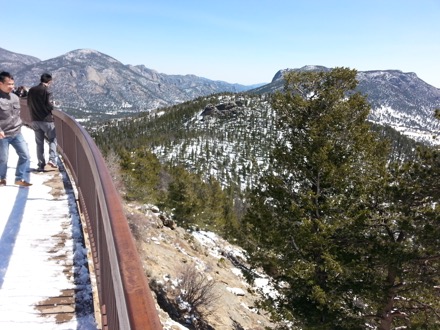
[{"x": 386, "y": 319}]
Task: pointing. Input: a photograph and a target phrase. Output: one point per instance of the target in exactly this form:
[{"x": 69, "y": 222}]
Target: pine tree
[
  {"x": 141, "y": 173},
  {"x": 329, "y": 221}
]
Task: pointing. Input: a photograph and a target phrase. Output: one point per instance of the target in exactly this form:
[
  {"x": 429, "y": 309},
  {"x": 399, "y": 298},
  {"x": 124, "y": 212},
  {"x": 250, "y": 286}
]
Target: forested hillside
[
  {"x": 341, "y": 213},
  {"x": 201, "y": 158},
  {"x": 226, "y": 136}
]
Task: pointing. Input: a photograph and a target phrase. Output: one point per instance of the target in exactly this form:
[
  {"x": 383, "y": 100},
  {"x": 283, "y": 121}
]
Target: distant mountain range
[
  {"x": 91, "y": 81},
  {"x": 93, "y": 86},
  {"x": 13, "y": 62}
]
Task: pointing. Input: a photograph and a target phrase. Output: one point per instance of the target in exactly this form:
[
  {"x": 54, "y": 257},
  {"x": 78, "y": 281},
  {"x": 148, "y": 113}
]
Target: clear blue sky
[{"x": 238, "y": 41}]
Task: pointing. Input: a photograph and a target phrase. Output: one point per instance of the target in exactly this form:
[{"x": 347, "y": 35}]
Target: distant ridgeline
[{"x": 95, "y": 87}]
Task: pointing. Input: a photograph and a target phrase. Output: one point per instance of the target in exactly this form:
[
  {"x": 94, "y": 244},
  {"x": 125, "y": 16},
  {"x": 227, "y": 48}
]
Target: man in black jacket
[{"x": 40, "y": 104}]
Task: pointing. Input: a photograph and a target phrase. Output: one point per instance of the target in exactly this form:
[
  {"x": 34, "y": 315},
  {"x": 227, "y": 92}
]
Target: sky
[{"x": 237, "y": 41}]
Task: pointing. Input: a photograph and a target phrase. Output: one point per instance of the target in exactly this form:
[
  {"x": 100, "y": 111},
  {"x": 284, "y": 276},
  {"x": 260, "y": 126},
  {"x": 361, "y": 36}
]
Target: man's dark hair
[
  {"x": 4, "y": 75},
  {"x": 45, "y": 78}
]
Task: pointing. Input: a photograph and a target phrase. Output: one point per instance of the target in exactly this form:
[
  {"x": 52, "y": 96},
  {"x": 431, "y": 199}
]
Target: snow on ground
[
  {"x": 217, "y": 247},
  {"x": 31, "y": 221}
]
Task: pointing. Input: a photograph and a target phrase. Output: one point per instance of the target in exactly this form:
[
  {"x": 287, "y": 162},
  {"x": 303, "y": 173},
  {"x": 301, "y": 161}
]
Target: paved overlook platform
[{"x": 44, "y": 277}]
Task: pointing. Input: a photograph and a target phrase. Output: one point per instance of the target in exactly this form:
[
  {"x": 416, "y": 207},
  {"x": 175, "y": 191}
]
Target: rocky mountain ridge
[
  {"x": 400, "y": 100},
  {"x": 89, "y": 83},
  {"x": 13, "y": 62}
]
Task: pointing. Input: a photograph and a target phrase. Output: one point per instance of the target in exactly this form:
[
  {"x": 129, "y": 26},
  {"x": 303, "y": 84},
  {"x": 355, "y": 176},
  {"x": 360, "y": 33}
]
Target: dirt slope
[{"x": 165, "y": 251}]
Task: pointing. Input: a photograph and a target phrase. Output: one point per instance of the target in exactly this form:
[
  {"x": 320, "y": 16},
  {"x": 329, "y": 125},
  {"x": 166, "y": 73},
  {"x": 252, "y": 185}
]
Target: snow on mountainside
[
  {"x": 398, "y": 99},
  {"x": 231, "y": 138},
  {"x": 402, "y": 101}
]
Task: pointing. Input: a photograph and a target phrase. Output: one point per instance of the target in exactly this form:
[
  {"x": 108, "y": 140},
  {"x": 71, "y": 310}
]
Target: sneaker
[
  {"x": 52, "y": 164},
  {"x": 2, "y": 182},
  {"x": 23, "y": 183},
  {"x": 40, "y": 169}
]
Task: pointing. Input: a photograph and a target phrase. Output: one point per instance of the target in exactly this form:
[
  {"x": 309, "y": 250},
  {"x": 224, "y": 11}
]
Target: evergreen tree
[
  {"x": 141, "y": 173},
  {"x": 329, "y": 222},
  {"x": 183, "y": 196}
]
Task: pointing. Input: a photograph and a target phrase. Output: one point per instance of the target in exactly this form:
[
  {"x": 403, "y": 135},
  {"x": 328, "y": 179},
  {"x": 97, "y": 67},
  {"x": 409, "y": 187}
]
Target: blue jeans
[
  {"x": 21, "y": 148},
  {"x": 44, "y": 129}
]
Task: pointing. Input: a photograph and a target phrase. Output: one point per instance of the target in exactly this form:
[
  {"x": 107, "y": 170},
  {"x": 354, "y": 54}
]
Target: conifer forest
[{"x": 343, "y": 214}]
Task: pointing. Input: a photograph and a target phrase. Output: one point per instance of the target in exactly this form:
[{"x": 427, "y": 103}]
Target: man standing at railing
[
  {"x": 10, "y": 132},
  {"x": 40, "y": 105}
]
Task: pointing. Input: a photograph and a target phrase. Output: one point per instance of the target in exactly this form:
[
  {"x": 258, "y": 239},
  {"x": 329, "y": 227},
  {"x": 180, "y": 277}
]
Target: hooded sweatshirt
[{"x": 10, "y": 121}]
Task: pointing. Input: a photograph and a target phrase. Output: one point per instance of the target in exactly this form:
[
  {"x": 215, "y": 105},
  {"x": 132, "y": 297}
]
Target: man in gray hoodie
[{"x": 10, "y": 132}]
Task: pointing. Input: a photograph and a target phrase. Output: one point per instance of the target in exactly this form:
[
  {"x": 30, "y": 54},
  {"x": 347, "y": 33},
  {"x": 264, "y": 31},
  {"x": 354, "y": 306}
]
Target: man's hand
[{"x": 2, "y": 134}]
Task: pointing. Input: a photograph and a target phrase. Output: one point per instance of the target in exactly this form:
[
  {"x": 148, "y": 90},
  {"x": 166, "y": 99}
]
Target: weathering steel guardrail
[{"x": 125, "y": 297}]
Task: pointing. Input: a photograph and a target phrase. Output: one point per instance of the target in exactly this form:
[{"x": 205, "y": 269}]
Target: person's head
[
  {"x": 6, "y": 82},
  {"x": 46, "y": 78}
]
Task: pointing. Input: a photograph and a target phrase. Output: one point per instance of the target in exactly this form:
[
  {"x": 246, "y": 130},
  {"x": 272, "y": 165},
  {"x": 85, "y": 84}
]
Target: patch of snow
[{"x": 236, "y": 291}]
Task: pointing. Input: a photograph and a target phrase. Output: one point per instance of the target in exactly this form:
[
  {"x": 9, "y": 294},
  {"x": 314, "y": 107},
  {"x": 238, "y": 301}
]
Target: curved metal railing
[{"x": 125, "y": 297}]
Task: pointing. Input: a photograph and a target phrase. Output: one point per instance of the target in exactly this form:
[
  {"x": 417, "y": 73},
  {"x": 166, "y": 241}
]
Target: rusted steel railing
[{"x": 125, "y": 297}]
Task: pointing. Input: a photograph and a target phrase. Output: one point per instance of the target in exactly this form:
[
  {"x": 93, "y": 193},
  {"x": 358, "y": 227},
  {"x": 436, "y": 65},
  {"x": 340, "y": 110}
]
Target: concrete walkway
[{"x": 44, "y": 279}]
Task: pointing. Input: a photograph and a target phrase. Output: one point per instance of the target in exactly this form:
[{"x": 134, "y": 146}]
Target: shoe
[
  {"x": 23, "y": 183},
  {"x": 40, "y": 169},
  {"x": 2, "y": 182},
  {"x": 52, "y": 164}
]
